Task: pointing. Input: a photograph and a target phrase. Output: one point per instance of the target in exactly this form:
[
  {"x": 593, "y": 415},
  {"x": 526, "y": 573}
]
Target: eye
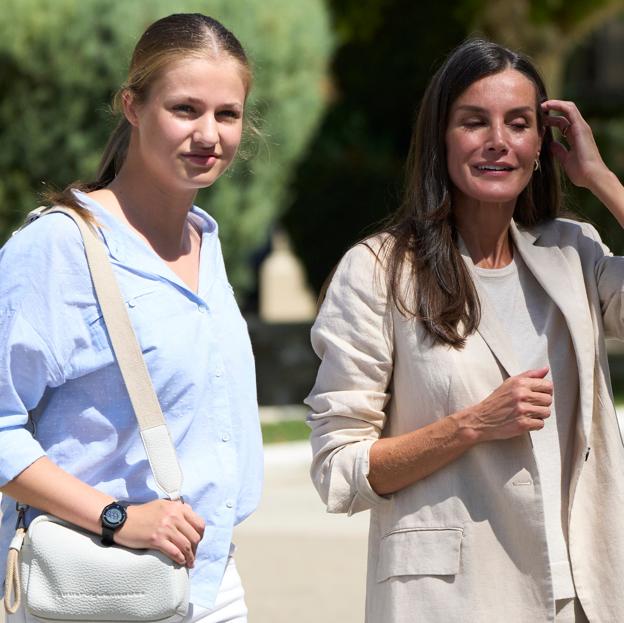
[
  {"x": 473, "y": 122},
  {"x": 229, "y": 113},
  {"x": 184, "y": 109},
  {"x": 520, "y": 125}
]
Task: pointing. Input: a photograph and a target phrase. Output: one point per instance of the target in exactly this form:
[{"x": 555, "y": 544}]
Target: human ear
[{"x": 129, "y": 106}]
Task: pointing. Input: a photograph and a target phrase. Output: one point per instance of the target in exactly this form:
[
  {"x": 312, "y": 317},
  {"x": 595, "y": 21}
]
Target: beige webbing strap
[
  {"x": 154, "y": 432},
  {"x": 12, "y": 583}
]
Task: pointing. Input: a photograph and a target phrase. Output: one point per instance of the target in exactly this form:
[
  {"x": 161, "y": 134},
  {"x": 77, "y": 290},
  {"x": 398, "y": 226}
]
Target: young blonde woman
[
  {"x": 464, "y": 393},
  {"x": 182, "y": 115}
]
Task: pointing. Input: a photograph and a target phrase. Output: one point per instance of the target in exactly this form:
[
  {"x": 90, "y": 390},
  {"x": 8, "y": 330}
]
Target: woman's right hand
[
  {"x": 519, "y": 405},
  {"x": 170, "y": 527}
]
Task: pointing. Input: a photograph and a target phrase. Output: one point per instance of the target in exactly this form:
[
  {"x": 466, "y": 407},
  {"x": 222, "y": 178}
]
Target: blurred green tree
[
  {"x": 560, "y": 36},
  {"x": 352, "y": 176},
  {"x": 61, "y": 61},
  {"x": 546, "y": 30},
  {"x": 389, "y": 49}
]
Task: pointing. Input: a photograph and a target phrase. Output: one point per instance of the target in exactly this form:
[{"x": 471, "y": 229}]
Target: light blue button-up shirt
[{"x": 55, "y": 360}]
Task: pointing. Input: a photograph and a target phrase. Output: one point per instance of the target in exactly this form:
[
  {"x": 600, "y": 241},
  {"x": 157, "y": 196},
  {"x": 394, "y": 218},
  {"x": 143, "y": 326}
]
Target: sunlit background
[{"x": 336, "y": 87}]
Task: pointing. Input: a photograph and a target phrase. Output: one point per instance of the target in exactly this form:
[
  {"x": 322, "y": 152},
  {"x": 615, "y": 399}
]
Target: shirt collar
[{"x": 127, "y": 248}]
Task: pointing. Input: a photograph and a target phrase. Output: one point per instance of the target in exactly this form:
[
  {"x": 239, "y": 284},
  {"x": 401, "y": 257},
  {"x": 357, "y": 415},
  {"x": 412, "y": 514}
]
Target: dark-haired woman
[
  {"x": 182, "y": 113},
  {"x": 463, "y": 394}
]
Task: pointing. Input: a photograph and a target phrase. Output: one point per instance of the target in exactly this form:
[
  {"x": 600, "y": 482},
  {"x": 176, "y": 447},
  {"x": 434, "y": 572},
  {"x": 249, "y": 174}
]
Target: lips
[
  {"x": 494, "y": 167},
  {"x": 201, "y": 159}
]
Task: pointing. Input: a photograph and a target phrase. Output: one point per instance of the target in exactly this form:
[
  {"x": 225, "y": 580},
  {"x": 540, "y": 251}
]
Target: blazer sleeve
[
  {"x": 353, "y": 337},
  {"x": 609, "y": 273}
]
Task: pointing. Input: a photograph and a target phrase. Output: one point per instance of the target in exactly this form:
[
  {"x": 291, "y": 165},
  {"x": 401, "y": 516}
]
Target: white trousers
[{"x": 229, "y": 606}]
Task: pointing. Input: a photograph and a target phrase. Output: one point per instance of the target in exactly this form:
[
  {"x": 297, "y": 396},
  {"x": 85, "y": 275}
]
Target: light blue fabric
[{"x": 55, "y": 359}]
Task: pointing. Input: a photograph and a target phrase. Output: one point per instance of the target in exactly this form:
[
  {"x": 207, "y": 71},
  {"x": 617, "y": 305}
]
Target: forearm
[
  {"x": 46, "y": 486},
  {"x": 608, "y": 189},
  {"x": 397, "y": 462}
]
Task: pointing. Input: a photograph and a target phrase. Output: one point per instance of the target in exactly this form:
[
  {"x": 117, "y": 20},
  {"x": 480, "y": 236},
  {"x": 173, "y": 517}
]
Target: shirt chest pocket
[
  {"x": 419, "y": 551},
  {"x": 95, "y": 321}
]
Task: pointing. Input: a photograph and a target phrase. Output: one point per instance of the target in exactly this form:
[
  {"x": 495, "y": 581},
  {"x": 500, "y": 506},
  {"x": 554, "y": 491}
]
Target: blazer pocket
[{"x": 419, "y": 551}]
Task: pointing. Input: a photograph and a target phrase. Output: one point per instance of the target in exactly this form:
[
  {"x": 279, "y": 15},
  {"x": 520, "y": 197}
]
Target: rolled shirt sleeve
[
  {"x": 26, "y": 368},
  {"x": 353, "y": 337}
]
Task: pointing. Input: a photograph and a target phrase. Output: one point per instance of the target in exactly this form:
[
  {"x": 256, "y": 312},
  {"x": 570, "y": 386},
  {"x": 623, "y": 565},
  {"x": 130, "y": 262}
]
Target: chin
[{"x": 498, "y": 196}]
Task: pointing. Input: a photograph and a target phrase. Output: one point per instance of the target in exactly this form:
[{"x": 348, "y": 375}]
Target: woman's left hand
[{"x": 581, "y": 160}]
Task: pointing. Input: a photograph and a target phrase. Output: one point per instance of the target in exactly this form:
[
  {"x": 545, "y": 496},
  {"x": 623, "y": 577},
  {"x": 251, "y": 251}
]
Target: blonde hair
[{"x": 170, "y": 39}]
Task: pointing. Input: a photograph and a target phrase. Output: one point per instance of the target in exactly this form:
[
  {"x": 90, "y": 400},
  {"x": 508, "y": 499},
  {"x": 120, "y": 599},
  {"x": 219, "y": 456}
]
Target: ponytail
[{"x": 114, "y": 154}]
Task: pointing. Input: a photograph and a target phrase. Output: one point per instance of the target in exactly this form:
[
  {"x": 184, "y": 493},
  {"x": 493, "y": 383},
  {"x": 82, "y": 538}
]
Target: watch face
[{"x": 114, "y": 515}]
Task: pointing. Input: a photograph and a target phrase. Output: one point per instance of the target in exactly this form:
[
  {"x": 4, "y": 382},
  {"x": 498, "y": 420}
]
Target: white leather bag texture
[{"x": 66, "y": 570}]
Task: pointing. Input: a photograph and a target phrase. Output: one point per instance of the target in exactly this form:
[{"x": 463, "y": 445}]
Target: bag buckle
[{"x": 21, "y": 515}]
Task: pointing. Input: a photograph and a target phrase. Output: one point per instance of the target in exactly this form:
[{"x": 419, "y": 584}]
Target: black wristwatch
[{"x": 113, "y": 517}]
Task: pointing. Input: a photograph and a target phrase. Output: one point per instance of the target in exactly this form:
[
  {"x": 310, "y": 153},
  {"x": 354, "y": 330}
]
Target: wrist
[
  {"x": 467, "y": 433},
  {"x": 602, "y": 184},
  {"x": 112, "y": 518}
]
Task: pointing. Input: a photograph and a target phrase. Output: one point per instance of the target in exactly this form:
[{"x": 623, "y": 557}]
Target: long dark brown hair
[
  {"x": 173, "y": 38},
  {"x": 423, "y": 235}
]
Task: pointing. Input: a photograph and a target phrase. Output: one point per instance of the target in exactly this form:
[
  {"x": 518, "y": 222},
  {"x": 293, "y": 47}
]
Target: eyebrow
[
  {"x": 478, "y": 109},
  {"x": 197, "y": 100}
]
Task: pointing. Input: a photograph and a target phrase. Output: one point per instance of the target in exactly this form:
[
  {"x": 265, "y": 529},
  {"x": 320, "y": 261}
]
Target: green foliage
[
  {"x": 289, "y": 430},
  {"x": 62, "y": 60},
  {"x": 566, "y": 13},
  {"x": 352, "y": 176},
  {"x": 599, "y": 99}
]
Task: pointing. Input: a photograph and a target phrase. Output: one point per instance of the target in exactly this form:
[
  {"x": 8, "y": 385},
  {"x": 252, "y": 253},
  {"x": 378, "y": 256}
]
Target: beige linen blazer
[{"x": 468, "y": 544}]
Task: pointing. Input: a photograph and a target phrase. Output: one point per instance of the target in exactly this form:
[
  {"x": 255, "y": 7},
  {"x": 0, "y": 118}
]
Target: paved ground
[{"x": 299, "y": 563}]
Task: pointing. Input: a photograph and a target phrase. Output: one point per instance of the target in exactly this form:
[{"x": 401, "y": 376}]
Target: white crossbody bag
[{"x": 60, "y": 573}]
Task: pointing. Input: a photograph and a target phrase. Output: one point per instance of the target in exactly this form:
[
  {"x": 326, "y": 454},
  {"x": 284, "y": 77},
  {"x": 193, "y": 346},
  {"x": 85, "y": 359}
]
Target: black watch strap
[
  {"x": 109, "y": 525},
  {"x": 108, "y": 536}
]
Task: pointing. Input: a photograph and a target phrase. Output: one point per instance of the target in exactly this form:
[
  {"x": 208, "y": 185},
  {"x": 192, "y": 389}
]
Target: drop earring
[{"x": 536, "y": 166}]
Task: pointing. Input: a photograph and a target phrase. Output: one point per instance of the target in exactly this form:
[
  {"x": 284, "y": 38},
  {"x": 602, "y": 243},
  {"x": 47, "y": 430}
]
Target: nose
[
  {"x": 497, "y": 140},
  {"x": 206, "y": 131}
]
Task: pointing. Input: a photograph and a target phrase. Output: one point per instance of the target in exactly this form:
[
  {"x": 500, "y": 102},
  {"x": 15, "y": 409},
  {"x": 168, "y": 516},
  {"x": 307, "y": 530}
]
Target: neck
[
  {"x": 155, "y": 213},
  {"x": 484, "y": 228}
]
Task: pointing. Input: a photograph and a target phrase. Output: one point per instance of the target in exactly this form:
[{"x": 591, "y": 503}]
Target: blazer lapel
[{"x": 551, "y": 269}]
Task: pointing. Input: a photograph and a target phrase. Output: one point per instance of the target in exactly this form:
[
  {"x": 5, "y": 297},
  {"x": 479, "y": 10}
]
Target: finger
[
  {"x": 195, "y": 520},
  {"x": 537, "y": 412},
  {"x": 569, "y": 109},
  {"x": 558, "y": 121},
  {"x": 531, "y": 424},
  {"x": 540, "y": 385},
  {"x": 170, "y": 549},
  {"x": 537, "y": 401},
  {"x": 186, "y": 547},
  {"x": 190, "y": 534},
  {"x": 541, "y": 393},
  {"x": 537, "y": 373}
]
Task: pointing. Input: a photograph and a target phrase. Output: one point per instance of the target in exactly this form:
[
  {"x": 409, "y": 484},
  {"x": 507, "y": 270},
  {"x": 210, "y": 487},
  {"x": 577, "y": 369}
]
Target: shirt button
[
  {"x": 219, "y": 373},
  {"x": 202, "y": 308},
  {"x": 225, "y": 437},
  {"x": 229, "y": 504}
]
